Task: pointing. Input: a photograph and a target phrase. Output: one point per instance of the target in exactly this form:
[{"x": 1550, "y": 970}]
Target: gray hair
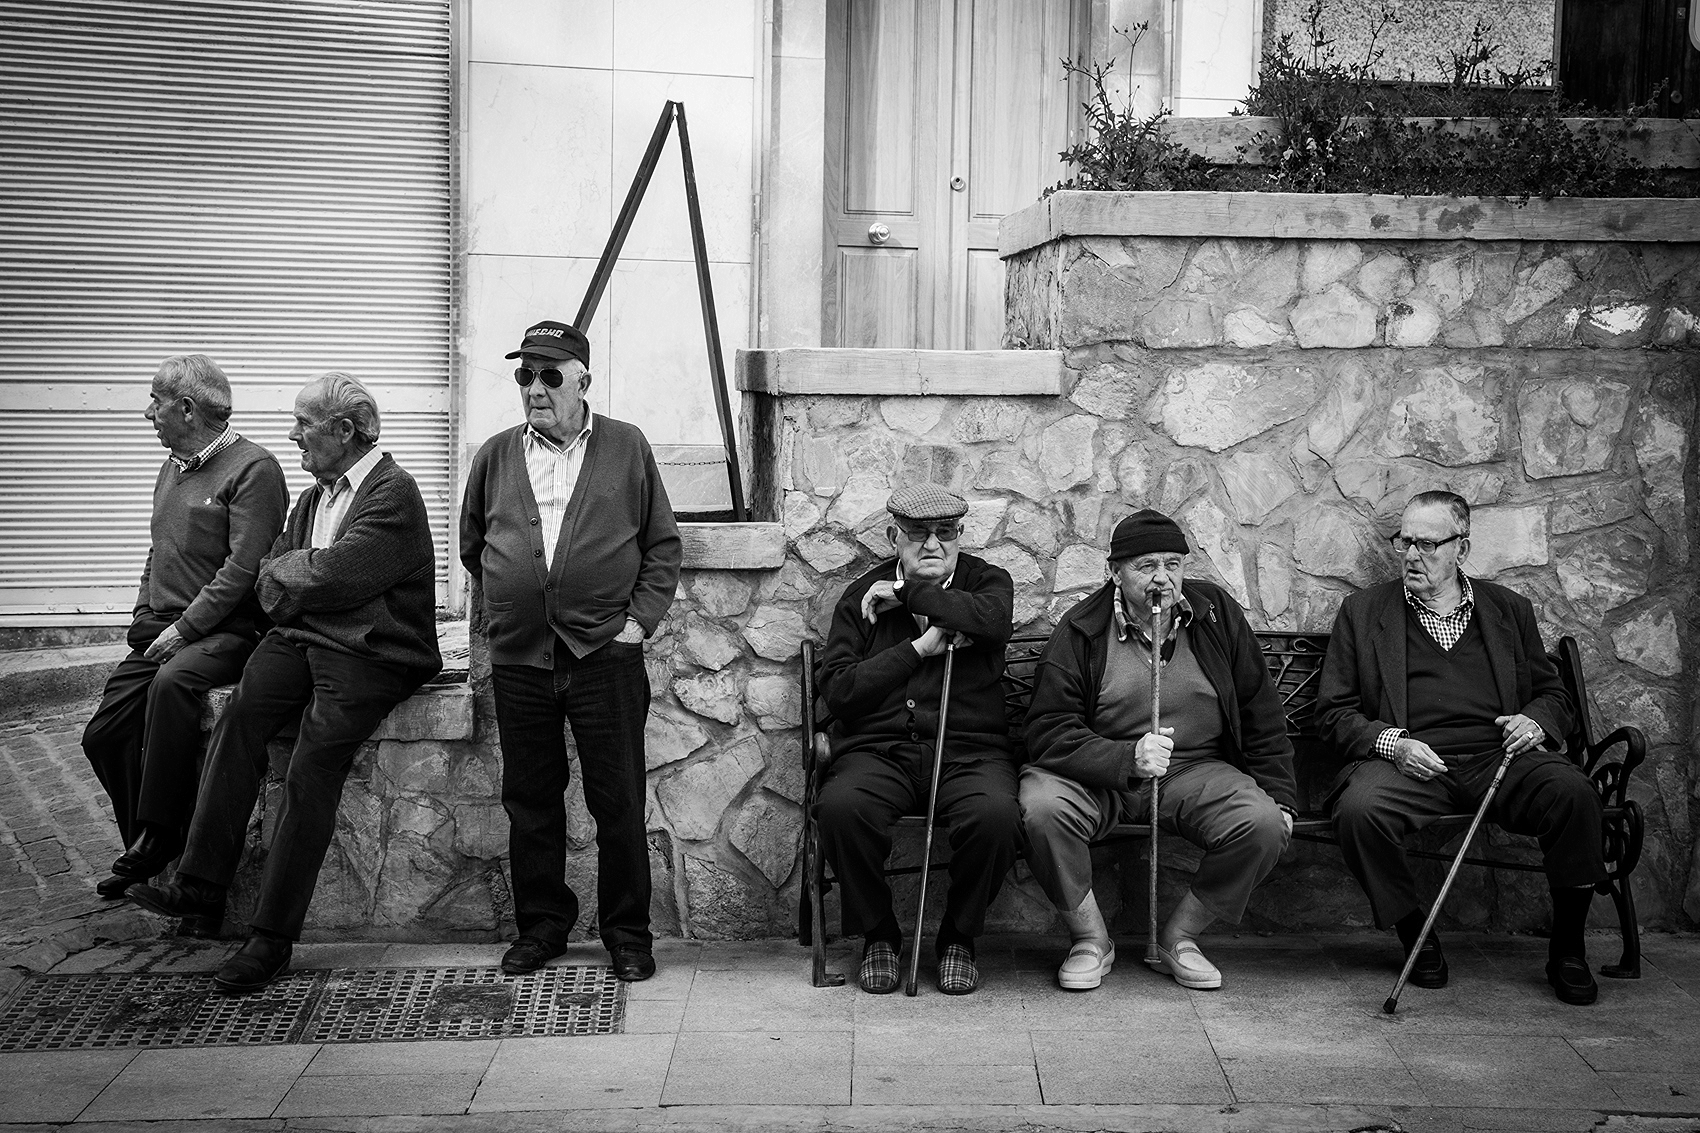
[
  {"x": 1458, "y": 505},
  {"x": 341, "y": 397},
  {"x": 198, "y": 378}
]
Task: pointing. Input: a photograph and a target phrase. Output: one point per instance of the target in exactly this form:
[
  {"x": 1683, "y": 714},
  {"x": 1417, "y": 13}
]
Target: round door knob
[
  {"x": 958, "y": 183},
  {"x": 878, "y": 233}
]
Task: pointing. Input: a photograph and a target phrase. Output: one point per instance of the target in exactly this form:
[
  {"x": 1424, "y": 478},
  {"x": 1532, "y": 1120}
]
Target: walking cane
[
  {"x": 1392, "y": 1003},
  {"x": 1151, "y": 956},
  {"x": 932, "y": 807}
]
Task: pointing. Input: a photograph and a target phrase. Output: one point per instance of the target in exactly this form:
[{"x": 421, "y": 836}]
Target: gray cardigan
[{"x": 618, "y": 551}]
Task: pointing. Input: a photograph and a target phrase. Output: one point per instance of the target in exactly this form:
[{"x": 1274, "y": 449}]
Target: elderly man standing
[
  {"x": 351, "y": 587},
  {"x": 567, "y": 527},
  {"x": 218, "y": 503},
  {"x": 1222, "y": 755},
  {"x": 882, "y": 673},
  {"x": 1429, "y": 680}
]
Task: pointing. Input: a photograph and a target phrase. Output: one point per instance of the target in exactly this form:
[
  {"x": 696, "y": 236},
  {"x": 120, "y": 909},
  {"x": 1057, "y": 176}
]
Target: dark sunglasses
[
  {"x": 918, "y": 532},
  {"x": 551, "y": 377}
]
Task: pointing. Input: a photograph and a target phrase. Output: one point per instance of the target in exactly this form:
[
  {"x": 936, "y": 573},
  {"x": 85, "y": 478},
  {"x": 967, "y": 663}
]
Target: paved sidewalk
[{"x": 730, "y": 1035}]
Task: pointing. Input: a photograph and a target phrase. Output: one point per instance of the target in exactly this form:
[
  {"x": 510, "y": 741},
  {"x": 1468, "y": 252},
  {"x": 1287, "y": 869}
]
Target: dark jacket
[
  {"x": 1362, "y": 690},
  {"x": 1060, "y": 735},
  {"x": 618, "y": 551},
  {"x": 883, "y": 692},
  {"x": 373, "y": 592}
]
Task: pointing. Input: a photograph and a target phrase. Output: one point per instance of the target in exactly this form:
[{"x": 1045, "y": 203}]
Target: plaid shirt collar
[
  {"x": 1126, "y": 624},
  {"x": 1449, "y": 628},
  {"x": 219, "y": 443}
]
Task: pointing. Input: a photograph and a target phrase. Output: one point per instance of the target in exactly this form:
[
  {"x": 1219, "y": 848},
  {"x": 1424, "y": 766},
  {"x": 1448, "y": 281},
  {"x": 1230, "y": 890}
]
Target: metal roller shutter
[{"x": 267, "y": 182}]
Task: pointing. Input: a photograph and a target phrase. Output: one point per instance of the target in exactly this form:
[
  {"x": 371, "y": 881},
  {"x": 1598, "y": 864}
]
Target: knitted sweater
[
  {"x": 617, "y": 553},
  {"x": 210, "y": 529},
  {"x": 373, "y": 592}
]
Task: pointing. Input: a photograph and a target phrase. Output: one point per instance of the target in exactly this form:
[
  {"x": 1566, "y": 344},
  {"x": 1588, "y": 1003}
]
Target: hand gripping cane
[
  {"x": 1392, "y": 1003},
  {"x": 1151, "y": 956},
  {"x": 932, "y": 809}
]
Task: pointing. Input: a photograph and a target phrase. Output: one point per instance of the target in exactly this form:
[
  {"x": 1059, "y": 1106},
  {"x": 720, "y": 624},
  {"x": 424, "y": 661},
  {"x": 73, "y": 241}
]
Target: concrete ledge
[
  {"x": 30, "y": 678},
  {"x": 897, "y": 373},
  {"x": 1346, "y": 216},
  {"x": 733, "y": 546},
  {"x": 432, "y": 713}
]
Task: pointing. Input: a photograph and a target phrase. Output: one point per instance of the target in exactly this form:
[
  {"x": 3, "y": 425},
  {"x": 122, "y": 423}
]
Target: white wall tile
[
  {"x": 720, "y": 115},
  {"x": 1215, "y": 53},
  {"x": 701, "y": 37},
  {"x": 800, "y": 29},
  {"x": 658, "y": 361},
  {"x": 539, "y": 160},
  {"x": 794, "y": 224},
  {"x": 561, "y": 33}
]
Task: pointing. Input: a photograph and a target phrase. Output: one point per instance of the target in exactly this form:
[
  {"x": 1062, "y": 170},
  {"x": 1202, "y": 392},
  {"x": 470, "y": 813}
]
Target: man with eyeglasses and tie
[
  {"x": 882, "y": 674},
  {"x": 567, "y": 528},
  {"x": 1428, "y": 681}
]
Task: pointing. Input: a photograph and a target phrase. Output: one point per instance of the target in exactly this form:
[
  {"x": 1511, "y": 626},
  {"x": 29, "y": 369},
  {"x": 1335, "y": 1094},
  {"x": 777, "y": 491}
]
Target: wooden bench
[{"x": 1295, "y": 665}]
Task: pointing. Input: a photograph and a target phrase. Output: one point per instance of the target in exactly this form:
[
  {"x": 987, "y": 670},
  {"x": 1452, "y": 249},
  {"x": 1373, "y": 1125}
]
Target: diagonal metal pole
[
  {"x": 932, "y": 814},
  {"x": 623, "y": 223},
  {"x": 711, "y": 322}
]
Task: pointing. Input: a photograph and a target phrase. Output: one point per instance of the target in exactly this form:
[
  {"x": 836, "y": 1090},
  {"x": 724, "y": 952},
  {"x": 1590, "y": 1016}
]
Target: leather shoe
[
  {"x": 527, "y": 954},
  {"x": 1430, "y": 970},
  {"x": 1087, "y": 964},
  {"x": 632, "y": 962},
  {"x": 182, "y": 897},
  {"x": 114, "y": 886},
  {"x": 148, "y": 855},
  {"x": 1572, "y": 981},
  {"x": 257, "y": 963},
  {"x": 1189, "y": 966}
]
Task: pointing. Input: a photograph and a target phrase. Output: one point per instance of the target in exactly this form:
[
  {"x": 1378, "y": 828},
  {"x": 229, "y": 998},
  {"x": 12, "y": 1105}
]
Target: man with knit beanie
[
  {"x": 1222, "y": 757},
  {"x": 218, "y": 503},
  {"x": 882, "y": 676},
  {"x": 1429, "y": 680}
]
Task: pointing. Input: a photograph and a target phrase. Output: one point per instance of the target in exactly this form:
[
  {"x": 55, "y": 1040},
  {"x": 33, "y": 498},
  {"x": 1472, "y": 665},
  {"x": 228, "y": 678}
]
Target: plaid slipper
[
  {"x": 957, "y": 973},
  {"x": 879, "y": 969}
]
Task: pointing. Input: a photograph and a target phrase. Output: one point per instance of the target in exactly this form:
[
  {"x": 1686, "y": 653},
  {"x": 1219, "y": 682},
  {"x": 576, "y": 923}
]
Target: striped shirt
[
  {"x": 338, "y": 497},
  {"x": 218, "y": 444},
  {"x": 553, "y": 470},
  {"x": 1446, "y": 629}
]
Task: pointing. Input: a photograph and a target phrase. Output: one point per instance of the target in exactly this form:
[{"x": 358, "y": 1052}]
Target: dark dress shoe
[
  {"x": 632, "y": 962},
  {"x": 115, "y": 885},
  {"x": 257, "y": 963},
  {"x": 1430, "y": 969},
  {"x": 527, "y": 954},
  {"x": 183, "y": 897},
  {"x": 1572, "y": 981},
  {"x": 148, "y": 855}
]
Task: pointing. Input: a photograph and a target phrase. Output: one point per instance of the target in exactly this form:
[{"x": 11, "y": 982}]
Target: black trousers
[
  {"x": 340, "y": 701},
  {"x": 1543, "y": 794},
  {"x": 869, "y": 789},
  {"x": 604, "y": 696},
  {"x": 144, "y": 740}
]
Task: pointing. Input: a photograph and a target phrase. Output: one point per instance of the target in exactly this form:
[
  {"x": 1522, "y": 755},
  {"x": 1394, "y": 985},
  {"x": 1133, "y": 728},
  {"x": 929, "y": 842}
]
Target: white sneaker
[
  {"x": 1087, "y": 964},
  {"x": 1187, "y": 963}
]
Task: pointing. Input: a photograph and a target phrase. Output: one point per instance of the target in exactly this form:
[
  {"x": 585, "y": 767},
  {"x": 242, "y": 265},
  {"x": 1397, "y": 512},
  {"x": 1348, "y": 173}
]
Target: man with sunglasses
[
  {"x": 567, "y": 528},
  {"x": 1429, "y": 680},
  {"x": 882, "y": 673}
]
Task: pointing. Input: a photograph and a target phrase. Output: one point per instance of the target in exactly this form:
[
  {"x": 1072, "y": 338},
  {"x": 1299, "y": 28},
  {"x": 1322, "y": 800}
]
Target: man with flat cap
[
  {"x": 882, "y": 673},
  {"x": 1222, "y": 755},
  {"x": 567, "y": 527}
]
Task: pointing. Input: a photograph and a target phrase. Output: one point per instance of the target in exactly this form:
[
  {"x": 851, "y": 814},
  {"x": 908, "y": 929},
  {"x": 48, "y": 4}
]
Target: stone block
[
  {"x": 982, "y": 520},
  {"x": 1079, "y": 567},
  {"x": 1249, "y": 328},
  {"x": 1537, "y": 286},
  {"x": 825, "y": 552},
  {"x": 1386, "y": 277},
  {"x": 1449, "y": 415},
  {"x": 668, "y": 738},
  {"x": 943, "y": 465},
  {"x": 775, "y": 699},
  {"x": 1593, "y": 506},
  {"x": 914, "y": 415},
  {"x": 1330, "y": 542},
  {"x": 1003, "y": 471},
  {"x": 1661, "y": 449},
  {"x": 863, "y": 498},
  {"x": 465, "y": 906},
  {"x": 1506, "y": 537},
  {"x": 1649, "y": 639},
  {"x": 1412, "y": 322},
  {"x": 480, "y": 830},
  {"x": 1274, "y": 579},
  {"x": 1628, "y": 699},
  {"x": 714, "y": 695},
  {"x": 800, "y": 515},
  {"x": 1617, "y": 322},
  {"x": 721, "y": 594},
  {"x": 1065, "y": 453},
  {"x": 695, "y": 798},
  {"x": 720, "y": 904},
  {"x": 709, "y": 645},
  {"x": 1215, "y": 534},
  {"x": 1182, "y": 480},
  {"x": 776, "y": 633},
  {"x": 1603, "y": 569},
  {"x": 817, "y": 466},
  {"x": 1570, "y": 425},
  {"x": 421, "y": 767},
  {"x": 829, "y": 413},
  {"x": 1348, "y": 396},
  {"x": 1216, "y": 405},
  {"x": 1336, "y": 317},
  {"x": 1111, "y": 392},
  {"x": 1257, "y": 483},
  {"x": 1178, "y": 324},
  {"x": 1033, "y": 528},
  {"x": 1326, "y": 261},
  {"x": 430, "y": 714},
  {"x": 1450, "y": 281},
  {"x": 767, "y": 832},
  {"x": 987, "y": 419},
  {"x": 413, "y": 878}
]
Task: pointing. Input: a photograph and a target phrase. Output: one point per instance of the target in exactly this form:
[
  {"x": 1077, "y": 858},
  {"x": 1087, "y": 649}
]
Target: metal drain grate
[
  {"x": 410, "y": 1004},
  {"x": 152, "y": 1009},
  {"x": 140, "y": 1009}
]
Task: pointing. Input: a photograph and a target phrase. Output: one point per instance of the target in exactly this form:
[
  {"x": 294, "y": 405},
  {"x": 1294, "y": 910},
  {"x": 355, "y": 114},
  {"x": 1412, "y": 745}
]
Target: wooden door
[{"x": 942, "y": 117}]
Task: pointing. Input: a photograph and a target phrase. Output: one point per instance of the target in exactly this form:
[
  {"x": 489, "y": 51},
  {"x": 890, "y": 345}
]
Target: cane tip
[{"x": 1390, "y": 1006}]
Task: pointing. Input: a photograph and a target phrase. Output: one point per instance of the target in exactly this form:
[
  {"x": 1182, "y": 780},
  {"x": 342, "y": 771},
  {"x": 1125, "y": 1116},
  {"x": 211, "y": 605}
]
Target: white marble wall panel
[
  {"x": 560, "y": 33},
  {"x": 697, "y": 37},
  {"x": 1215, "y": 55}
]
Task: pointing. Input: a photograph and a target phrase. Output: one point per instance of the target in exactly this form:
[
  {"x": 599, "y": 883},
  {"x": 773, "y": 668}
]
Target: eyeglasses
[
  {"x": 919, "y": 533},
  {"x": 1403, "y": 543},
  {"x": 551, "y": 377}
]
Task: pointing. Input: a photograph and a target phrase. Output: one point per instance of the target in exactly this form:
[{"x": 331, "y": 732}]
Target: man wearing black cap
[
  {"x": 1222, "y": 754},
  {"x": 567, "y": 528},
  {"x": 882, "y": 673}
]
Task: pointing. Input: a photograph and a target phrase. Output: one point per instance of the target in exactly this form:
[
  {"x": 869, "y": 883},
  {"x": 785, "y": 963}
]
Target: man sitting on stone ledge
[
  {"x": 882, "y": 672},
  {"x": 1429, "y": 680},
  {"x": 1222, "y": 752},
  {"x": 351, "y": 588}
]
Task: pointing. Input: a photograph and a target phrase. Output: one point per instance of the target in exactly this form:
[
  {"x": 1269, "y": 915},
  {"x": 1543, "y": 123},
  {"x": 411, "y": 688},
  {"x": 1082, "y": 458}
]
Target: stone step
[{"x": 31, "y": 679}]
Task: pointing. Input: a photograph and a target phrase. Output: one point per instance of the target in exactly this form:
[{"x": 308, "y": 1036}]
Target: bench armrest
[{"x": 1611, "y": 777}]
